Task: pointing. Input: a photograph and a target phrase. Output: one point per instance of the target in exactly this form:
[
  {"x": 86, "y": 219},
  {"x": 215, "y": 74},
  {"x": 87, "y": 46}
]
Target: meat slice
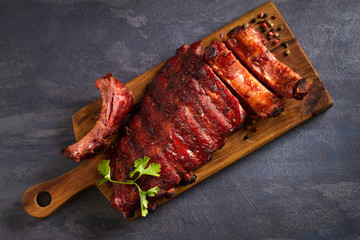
[
  {"x": 248, "y": 45},
  {"x": 124, "y": 153},
  {"x": 220, "y": 95},
  {"x": 117, "y": 101},
  {"x": 167, "y": 92},
  {"x": 153, "y": 146},
  {"x": 175, "y": 142},
  {"x": 214, "y": 122},
  {"x": 177, "y": 98},
  {"x": 258, "y": 98},
  {"x": 181, "y": 119}
]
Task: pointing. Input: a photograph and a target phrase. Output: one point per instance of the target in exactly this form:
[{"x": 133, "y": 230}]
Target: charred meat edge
[
  {"x": 117, "y": 101},
  {"x": 250, "y": 91},
  {"x": 249, "y": 47}
]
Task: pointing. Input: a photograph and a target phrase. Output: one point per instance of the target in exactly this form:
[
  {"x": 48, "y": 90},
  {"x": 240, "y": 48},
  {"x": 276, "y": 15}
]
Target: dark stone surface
[{"x": 304, "y": 185}]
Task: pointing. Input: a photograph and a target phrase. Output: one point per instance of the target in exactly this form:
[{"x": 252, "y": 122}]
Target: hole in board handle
[{"x": 43, "y": 199}]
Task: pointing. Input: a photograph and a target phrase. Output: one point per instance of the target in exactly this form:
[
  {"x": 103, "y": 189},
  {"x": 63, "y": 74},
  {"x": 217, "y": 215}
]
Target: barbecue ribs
[
  {"x": 186, "y": 113},
  {"x": 252, "y": 93},
  {"x": 117, "y": 101},
  {"x": 248, "y": 45}
]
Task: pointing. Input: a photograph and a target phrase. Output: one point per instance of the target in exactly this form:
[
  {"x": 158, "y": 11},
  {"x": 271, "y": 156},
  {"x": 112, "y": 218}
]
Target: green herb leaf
[
  {"x": 101, "y": 181},
  {"x": 153, "y": 169},
  {"x": 152, "y": 191},
  {"x": 104, "y": 169},
  {"x": 139, "y": 167},
  {"x": 143, "y": 204}
]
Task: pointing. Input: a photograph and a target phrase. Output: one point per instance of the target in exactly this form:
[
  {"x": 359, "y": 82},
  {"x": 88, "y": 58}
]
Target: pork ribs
[
  {"x": 253, "y": 95},
  {"x": 248, "y": 45},
  {"x": 185, "y": 114},
  {"x": 117, "y": 101}
]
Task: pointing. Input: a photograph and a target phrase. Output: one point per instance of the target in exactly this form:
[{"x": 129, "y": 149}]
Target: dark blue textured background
[{"x": 304, "y": 185}]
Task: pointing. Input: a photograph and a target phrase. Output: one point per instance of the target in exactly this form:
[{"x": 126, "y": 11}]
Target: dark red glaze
[
  {"x": 186, "y": 114},
  {"x": 248, "y": 45},
  {"x": 220, "y": 95},
  {"x": 261, "y": 101},
  {"x": 117, "y": 101}
]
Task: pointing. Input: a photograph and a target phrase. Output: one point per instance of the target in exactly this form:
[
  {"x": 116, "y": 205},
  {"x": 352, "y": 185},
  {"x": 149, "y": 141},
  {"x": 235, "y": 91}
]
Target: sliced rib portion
[
  {"x": 117, "y": 101},
  {"x": 248, "y": 45},
  {"x": 186, "y": 114},
  {"x": 258, "y": 98},
  {"x": 220, "y": 95}
]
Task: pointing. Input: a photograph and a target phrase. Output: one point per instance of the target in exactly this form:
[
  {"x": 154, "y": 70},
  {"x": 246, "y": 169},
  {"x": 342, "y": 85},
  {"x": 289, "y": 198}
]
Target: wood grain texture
[{"x": 296, "y": 112}]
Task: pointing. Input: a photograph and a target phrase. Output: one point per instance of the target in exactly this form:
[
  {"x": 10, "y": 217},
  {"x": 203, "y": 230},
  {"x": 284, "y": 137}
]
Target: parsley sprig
[{"x": 139, "y": 168}]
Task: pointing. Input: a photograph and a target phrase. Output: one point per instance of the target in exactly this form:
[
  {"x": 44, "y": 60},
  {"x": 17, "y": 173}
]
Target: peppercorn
[
  {"x": 267, "y": 21},
  {"x": 255, "y": 129},
  {"x": 287, "y": 52},
  {"x": 274, "y": 17},
  {"x": 275, "y": 41},
  {"x": 246, "y": 137},
  {"x": 271, "y": 24},
  {"x": 272, "y": 30},
  {"x": 245, "y": 25},
  {"x": 260, "y": 22},
  {"x": 268, "y": 37},
  {"x": 280, "y": 28},
  {"x": 276, "y": 35},
  {"x": 270, "y": 33},
  {"x": 264, "y": 30},
  {"x": 265, "y": 15},
  {"x": 261, "y": 15},
  {"x": 285, "y": 44},
  {"x": 253, "y": 20},
  {"x": 279, "y": 37},
  {"x": 263, "y": 25}
]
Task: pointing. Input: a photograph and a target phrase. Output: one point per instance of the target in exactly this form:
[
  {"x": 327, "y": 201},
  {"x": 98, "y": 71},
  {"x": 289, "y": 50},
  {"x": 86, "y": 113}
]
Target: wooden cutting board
[{"x": 296, "y": 112}]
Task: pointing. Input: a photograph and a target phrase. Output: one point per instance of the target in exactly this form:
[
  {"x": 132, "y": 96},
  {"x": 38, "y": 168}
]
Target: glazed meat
[
  {"x": 186, "y": 114},
  {"x": 254, "y": 96},
  {"x": 117, "y": 101},
  {"x": 248, "y": 45}
]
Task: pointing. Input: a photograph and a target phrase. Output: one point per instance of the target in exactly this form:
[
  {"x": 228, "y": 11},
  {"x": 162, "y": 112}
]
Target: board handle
[{"x": 44, "y": 199}]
